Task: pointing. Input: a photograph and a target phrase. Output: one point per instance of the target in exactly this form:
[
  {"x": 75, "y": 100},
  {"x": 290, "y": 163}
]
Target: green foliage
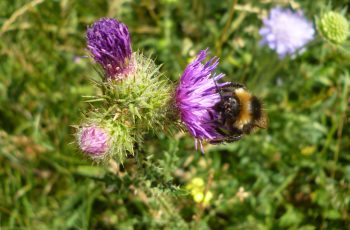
[{"x": 294, "y": 175}]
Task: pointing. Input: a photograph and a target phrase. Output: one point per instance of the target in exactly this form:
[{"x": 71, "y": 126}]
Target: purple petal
[{"x": 110, "y": 45}]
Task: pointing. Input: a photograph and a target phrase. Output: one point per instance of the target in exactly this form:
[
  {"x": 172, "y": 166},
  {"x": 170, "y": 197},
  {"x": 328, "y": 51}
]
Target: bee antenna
[{"x": 219, "y": 90}]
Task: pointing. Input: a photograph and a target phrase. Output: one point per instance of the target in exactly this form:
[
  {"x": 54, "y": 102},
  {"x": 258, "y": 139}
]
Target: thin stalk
[
  {"x": 227, "y": 26},
  {"x": 342, "y": 118},
  {"x": 197, "y": 217}
]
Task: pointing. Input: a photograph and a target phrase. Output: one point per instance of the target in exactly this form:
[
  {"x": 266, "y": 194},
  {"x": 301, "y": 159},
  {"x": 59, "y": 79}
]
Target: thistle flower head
[
  {"x": 196, "y": 96},
  {"x": 108, "y": 40},
  {"x": 93, "y": 141},
  {"x": 286, "y": 31},
  {"x": 333, "y": 27}
]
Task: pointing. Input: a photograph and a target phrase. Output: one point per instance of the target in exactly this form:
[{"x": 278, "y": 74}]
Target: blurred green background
[{"x": 294, "y": 175}]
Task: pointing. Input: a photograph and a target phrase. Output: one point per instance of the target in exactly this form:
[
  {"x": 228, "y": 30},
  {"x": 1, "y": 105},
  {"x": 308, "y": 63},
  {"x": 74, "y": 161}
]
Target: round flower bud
[
  {"x": 334, "y": 27},
  {"x": 93, "y": 141}
]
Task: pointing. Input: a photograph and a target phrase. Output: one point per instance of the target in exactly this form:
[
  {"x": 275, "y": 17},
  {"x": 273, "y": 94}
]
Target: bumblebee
[{"x": 239, "y": 113}]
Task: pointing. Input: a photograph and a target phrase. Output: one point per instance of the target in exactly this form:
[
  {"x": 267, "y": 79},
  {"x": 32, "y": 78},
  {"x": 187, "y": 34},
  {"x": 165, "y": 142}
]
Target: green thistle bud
[
  {"x": 101, "y": 140},
  {"x": 334, "y": 27},
  {"x": 129, "y": 108},
  {"x": 143, "y": 99}
]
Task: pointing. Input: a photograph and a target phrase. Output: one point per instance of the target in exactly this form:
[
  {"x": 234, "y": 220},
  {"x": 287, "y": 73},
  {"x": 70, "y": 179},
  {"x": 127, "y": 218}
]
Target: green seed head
[{"x": 334, "y": 27}]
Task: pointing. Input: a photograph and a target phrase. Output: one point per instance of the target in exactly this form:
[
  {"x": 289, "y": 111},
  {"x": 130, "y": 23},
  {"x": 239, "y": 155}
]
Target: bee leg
[
  {"x": 234, "y": 131},
  {"x": 247, "y": 129},
  {"x": 230, "y": 134},
  {"x": 234, "y": 85},
  {"x": 218, "y": 107},
  {"x": 236, "y": 134},
  {"x": 226, "y": 140},
  {"x": 216, "y": 142},
  {"x": 233, "y": 139},
  {"x": 212, "y": 117},
  {"x": 221, "y": 132}
]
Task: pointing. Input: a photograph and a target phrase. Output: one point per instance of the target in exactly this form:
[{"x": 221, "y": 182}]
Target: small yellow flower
[
  {"x": 196, "y": 183},
  {"x": 197, "y": 188},
  {"x": 308, "y": 150},
  {"x": 208, "y": 198},
  {"x": 199, "y": 198}
]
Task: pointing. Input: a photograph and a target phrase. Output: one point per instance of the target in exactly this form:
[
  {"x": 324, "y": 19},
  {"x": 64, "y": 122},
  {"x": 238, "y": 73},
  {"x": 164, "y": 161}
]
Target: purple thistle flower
[
  {"x": 196, "y": 96},
  {"x": 93, "y": 141},
  {"x": 286, "y": 31},
  {"x": 108, "y": 40}
]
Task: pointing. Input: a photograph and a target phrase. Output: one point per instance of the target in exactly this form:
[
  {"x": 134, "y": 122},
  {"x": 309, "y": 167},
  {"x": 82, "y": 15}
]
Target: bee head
[{"x": 232, "y": 106}]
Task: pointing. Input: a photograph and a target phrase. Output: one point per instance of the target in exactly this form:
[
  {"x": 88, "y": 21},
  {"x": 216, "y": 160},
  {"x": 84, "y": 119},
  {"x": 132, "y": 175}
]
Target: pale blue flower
[{"x": 286, "y": 31}]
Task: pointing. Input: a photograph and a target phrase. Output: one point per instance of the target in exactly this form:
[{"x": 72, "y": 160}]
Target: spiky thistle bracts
[
  {"x": 128, "y": 109},
  {"x": 143, "y": 99},
  {"x": 101, "y": 139}
]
